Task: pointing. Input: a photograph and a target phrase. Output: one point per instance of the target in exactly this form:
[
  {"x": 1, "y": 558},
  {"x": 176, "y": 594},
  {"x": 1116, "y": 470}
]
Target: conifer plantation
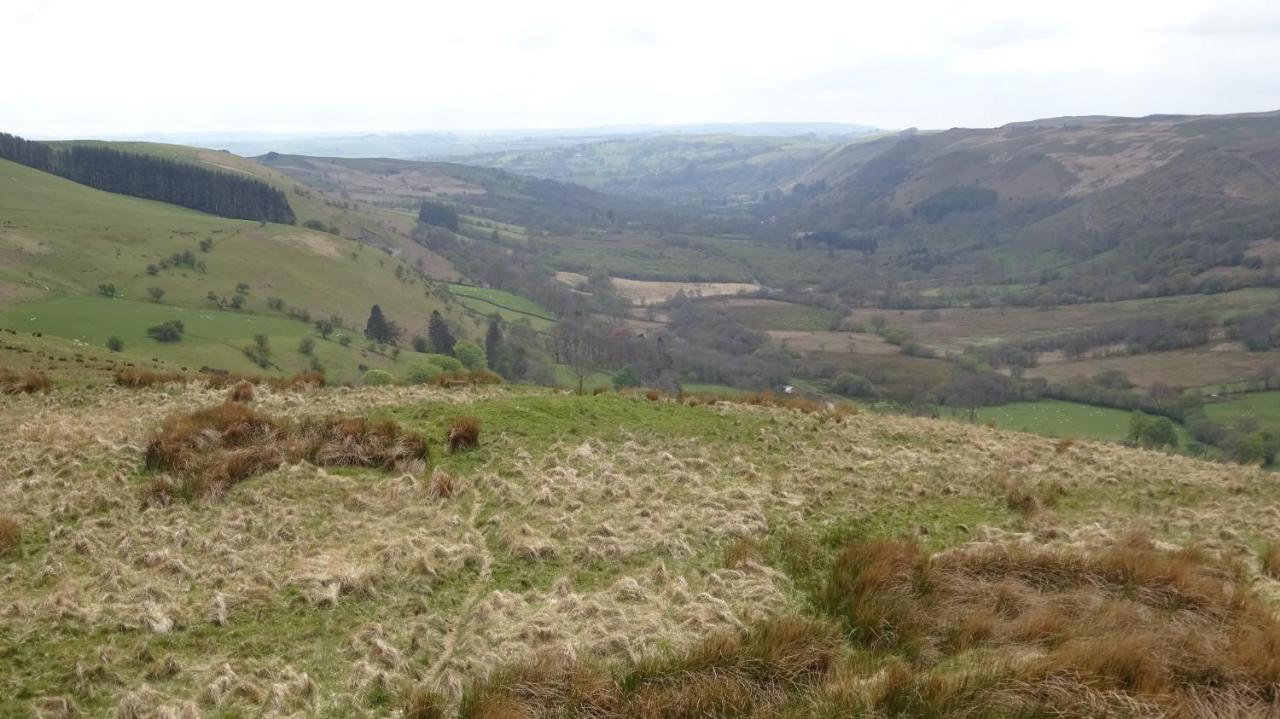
[{"x": 154, "y": 178}]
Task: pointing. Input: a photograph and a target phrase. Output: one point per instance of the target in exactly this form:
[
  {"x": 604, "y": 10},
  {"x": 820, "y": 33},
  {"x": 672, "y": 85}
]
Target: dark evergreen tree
[
  {"x": 493, "y": 342},
  {"x": 154, "y": 178},
  {"x": 376, "y": 328},
  {"x": 438, "y": 214},
  {"x": 442, "y": 340}
]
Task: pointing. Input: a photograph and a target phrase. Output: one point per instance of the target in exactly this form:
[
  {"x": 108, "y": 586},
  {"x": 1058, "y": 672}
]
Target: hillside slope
[
  {"x": 61, "y": 242},
  {"x": 604, "y": 529},
  {"x": 491, "y": 193},
  {"x": 711, "y": 170},
  {"x": 1153, "y": 197}
]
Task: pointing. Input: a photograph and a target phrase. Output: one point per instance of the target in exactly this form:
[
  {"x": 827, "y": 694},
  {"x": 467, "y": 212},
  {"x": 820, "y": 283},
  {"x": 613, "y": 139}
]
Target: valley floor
[{"x": 600, "y": 528}]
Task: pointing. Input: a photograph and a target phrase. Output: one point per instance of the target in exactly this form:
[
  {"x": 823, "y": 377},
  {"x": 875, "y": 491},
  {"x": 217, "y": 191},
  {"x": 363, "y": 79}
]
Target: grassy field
[
  {"x": 213, "y": 338},
  {"x": 510, "y": 307},
  {"x": 958, "y": 327},
  {"x": 1226, "y": 364},
  {"x": 1260, "y": 407},
  {"x": 642, "y": 256},
  {"x": 58, "y": 236},
  {"x": 601, "y": 526},
  {"x": 1053, "y": 418}
]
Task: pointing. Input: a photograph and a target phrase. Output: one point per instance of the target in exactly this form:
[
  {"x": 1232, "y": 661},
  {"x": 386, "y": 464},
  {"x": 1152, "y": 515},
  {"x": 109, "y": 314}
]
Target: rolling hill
[
  {"x": 1128, "y": 201},
  {"x": 81, "y": 263}
]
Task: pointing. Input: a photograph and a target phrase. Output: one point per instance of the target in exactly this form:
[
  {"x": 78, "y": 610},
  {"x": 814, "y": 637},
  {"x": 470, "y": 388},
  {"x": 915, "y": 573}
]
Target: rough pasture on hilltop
[{"x": 600, "y": 529}]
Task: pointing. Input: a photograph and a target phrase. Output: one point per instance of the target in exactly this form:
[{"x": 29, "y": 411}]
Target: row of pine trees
[{"x": 154, "y": 178}]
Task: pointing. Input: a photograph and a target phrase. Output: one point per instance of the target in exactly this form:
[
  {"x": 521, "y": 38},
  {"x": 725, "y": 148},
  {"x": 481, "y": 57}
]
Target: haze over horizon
[{"x": 386, "y": 66}]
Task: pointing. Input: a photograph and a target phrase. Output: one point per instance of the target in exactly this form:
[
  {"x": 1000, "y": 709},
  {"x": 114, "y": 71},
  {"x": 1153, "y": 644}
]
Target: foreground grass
[{"x": 608, "y": 527}]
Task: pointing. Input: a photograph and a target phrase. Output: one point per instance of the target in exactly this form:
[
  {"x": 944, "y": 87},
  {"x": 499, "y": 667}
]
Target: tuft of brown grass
[
  {"x": 1271, "y": 560},
  {"x": 724, "y": 675},
  {"x": 1061, "y": 631},
  {"x": 10, "y": 535},
  {"x": 741, "y": 552},
  {"x": 135, "y": 378},
  {"x": 1063, "y": 444},
  {"x": 443, "y": 485},
  {"x": 1026, "y": 498},
  {"x": 299, "y": 381},
  {"x": 466, "y": 379},
  {"x": 421, "y": 703},
  {"x": 216, "y": 447},
  {"x": 653, "y": 395},
  {"x": 32, "y": 382},
  {"x": 462, "y": 433},
  {"x": 240, "y": 392}
]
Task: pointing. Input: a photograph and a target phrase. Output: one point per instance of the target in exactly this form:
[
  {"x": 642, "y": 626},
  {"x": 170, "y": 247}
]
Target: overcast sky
[{"x": 92, "y": 67}]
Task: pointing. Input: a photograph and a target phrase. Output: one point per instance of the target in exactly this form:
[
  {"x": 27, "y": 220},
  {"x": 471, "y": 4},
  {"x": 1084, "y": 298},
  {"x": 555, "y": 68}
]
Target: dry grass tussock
[
  {"x": 240, "y": 392},
  {"x": 1073, "y": 632},
  {"x": 32, "y": 382},
  {"x": 215, "y": 447},
  {"x": 462, "y": 433},
  {"x": 1128, "y": 629},
  {"x": 10, "y": 535},
  {"x": 727, "y": 674},
  {"x": 138, "y": 378},
  {"x": 465, "y": 379},
  {"x": 768, "y": 399},
  {"x": 1271, "y": 560}
]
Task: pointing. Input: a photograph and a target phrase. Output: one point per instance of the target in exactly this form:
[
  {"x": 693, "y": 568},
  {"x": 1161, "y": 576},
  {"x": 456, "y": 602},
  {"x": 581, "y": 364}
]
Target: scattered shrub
[
  {"x": 115, "y": 344},
  {"x": 170, "y": 331},
  {"x": 445, "y": 362},
  {"x": 462, "y": 433},
  {"x": 377, "y": 378},
  {"x": 421, "y": 374},
  {"x": 470, "y": 355}
]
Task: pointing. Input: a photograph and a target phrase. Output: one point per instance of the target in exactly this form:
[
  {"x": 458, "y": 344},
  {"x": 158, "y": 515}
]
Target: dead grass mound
[
  {"x": 767, "y": 398},
  {"x": 216, "y": 447},
  {"x": 465, "y": 379},
  {"x": 240, "y": 392},
  {"x": 10, "y": 535},
  {"x": 751, "y": 673},
  {"x": 135, "y": 378},
  {"x": 1062, "y": 631},
  {"x": 462, "y": 433},
  {"x": 32, "y": 382}
]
